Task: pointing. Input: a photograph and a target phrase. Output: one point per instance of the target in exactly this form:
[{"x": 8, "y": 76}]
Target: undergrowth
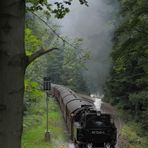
[
  {"x": 132, "y": 133},
  {"x": 35, "y": 126}
]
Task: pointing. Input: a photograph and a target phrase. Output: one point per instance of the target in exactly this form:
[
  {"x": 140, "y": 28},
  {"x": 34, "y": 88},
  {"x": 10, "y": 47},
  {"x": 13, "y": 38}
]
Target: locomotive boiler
[{"x": 88, "y": 127}]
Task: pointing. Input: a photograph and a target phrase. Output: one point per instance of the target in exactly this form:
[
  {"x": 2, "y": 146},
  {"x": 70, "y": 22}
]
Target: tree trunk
[{"x": 12, "y": 69}]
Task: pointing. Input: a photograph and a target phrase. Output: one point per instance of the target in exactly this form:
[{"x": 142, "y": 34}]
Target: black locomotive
[{"x": 88, "y": 127}]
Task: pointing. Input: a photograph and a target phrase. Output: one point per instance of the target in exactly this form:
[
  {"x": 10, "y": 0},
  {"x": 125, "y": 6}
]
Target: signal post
[{"x": 47, "y": 88}]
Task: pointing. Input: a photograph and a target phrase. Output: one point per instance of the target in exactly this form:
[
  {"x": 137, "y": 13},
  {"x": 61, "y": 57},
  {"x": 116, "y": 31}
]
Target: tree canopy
[
  {"x": 128, "y": 84},
  {"x": 59, "y": 9}
]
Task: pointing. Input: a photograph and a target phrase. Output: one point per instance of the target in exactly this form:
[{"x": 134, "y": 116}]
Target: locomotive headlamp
[
  {"x": 72, "y": 114},
  {"x": 89, "y": 145},
  {"x": 98, "y": 113}
]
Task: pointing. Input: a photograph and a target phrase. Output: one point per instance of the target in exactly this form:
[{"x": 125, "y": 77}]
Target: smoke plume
[
  {"x": 97, "y": 104},
  {"x": 97, "y": 101},
  {"x": 95, "y": 24}
]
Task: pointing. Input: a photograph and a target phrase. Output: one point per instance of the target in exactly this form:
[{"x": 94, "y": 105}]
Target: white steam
[
  {"x": 97, "y": 104},
  {"x": 71, "y": 145},
  {"x": 97, "y": 101}
]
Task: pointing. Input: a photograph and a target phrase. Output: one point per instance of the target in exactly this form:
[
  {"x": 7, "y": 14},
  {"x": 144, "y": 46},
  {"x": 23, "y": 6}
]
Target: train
[{"x": 88, "y": 127}]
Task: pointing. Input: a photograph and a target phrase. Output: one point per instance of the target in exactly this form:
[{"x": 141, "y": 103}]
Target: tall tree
[
  {"x": 12, "y": 69},
  {"x": 13, "y": 63},
  {"x": 128, "y": 84}
]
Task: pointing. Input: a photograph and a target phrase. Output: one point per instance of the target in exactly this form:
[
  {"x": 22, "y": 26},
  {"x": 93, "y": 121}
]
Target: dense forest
[
  {"x": 126, "y": 87},
  {"x": 128, "y": 84}
]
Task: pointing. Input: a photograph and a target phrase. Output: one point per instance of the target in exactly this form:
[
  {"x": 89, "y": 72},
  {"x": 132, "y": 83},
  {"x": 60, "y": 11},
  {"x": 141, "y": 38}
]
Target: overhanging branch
[{"x": 38, "y": 54}]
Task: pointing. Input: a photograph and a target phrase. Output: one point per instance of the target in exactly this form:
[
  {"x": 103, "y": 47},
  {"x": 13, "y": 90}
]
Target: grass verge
[
  {"x": 132, "y": 134},
  {"x": 35, "y": 126}
]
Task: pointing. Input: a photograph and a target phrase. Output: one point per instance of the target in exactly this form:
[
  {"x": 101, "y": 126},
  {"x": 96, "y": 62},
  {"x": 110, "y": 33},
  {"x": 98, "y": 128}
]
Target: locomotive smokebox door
[{"x": 47, "y": 84}]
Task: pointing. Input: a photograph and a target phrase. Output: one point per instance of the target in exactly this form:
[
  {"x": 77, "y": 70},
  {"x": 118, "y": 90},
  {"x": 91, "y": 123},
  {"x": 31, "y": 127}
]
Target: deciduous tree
[{"x": 13, "y": 62}]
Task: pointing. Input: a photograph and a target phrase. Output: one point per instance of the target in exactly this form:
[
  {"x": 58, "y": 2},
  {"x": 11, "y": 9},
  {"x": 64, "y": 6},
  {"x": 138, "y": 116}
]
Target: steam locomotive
[{"x": 88, "y": 127}]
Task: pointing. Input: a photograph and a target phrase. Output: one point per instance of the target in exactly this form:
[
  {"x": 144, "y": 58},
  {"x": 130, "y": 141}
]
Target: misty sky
[{"x": 95, "y": 25}]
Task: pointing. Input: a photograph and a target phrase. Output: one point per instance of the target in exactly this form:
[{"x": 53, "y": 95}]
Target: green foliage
[
  {"x": 128, "y": 84},
  {"x": 131, "y": 136},
  {"x": 59, "y": 9},
  {"x": 40, "y": 29},
  {"x": 35, "y": 125},
  {"x": 142, "y": 97},
  {"x": 59, "y": 63},
  {"x": 34, "y": 72},
  {"x": 35, "y": 111},
  {"x": 32, "y": 42},
  {"x": 65, "y": 66},
  {"x": 74, "y": 63},
  {"x": 32, "y": 92}
]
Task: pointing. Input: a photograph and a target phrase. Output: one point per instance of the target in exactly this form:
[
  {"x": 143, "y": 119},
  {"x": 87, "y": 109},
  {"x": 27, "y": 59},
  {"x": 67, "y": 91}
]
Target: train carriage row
[{"x": 86, "y": 127}]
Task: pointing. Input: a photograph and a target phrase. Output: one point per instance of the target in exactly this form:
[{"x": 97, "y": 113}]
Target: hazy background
[{"x": 95, "y": 24}]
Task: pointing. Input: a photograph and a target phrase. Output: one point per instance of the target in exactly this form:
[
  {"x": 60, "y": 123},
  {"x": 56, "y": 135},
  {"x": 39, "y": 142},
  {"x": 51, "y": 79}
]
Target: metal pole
[
  {"x": 46, "y": 88},
  {"x": 47, "y": 133},
  {"x": 46, "y": 112}
]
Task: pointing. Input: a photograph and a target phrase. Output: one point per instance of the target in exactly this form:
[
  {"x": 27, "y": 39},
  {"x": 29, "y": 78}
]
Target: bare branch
[{"x": 38, "y": 54}]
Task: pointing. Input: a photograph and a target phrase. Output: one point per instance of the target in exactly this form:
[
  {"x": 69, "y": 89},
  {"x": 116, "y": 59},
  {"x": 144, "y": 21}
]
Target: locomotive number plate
[{"x": 97, "y": 132}]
